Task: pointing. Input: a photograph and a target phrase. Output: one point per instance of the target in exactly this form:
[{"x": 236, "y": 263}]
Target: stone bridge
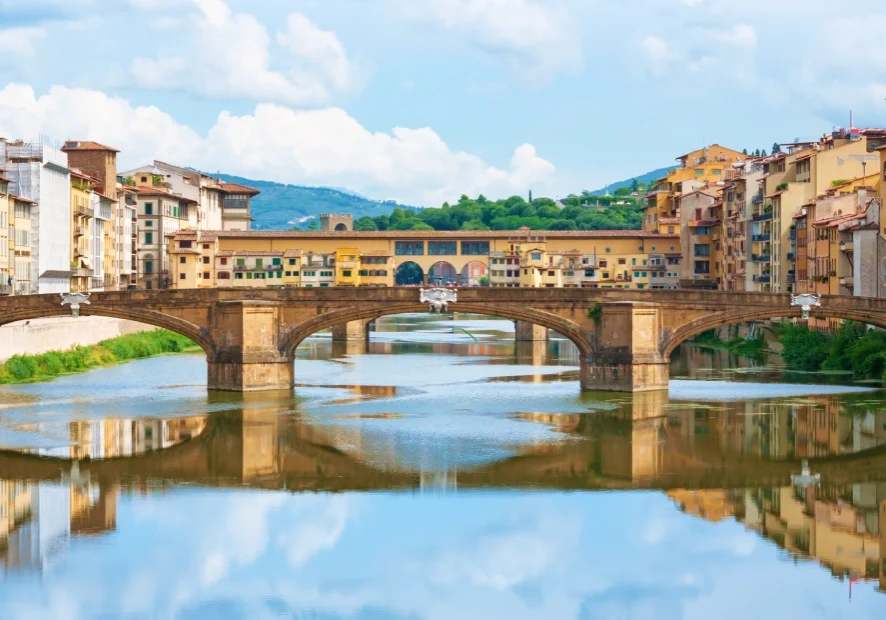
[{"x": 624, "y": 337}]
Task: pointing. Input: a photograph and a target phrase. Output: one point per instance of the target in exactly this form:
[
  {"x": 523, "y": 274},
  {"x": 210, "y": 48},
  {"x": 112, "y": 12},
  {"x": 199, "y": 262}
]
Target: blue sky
[
  {"x": 422, "y": 100},
  {"x": 193, "y": 553}
]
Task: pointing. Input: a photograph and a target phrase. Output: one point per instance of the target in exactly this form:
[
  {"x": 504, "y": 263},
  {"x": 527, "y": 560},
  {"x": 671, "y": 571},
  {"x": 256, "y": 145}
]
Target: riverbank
[
  {"x": 60, "y": 333},
  {"x": 52, "y": 364}
]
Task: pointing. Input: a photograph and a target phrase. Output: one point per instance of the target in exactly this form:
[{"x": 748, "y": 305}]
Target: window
[
  {"x": 149, "y": 266},
  {"x": 249, "y": 275},
  {"x": 277, "y": 261},
  {"x": 224, "y": 275},
  {"x": 184, "y": 244},
  {"x": 241, "y": 262},
  {"x": 149, "y": 208},
  {"x": 238, "y": 276},
  {"x": 223, "y": 261},
  {"x": 182, "y": 260},
  {"x": 205, "y": 246},
  {"x": 605, "y": 275},
  {"x": 589, "y": 273},
  {"x": 309, "y": 274},
  {"x": 205, "y": 275},
  {"x": 326, "y": 274},
  {"x": 144, "y": 179},
  {"x": 409, "y": 248},
  {"x": 150, "y": 224},
  {"x": 295, "y": 274},
  {"x": 671, "y": 232},
  {"x": 622, "y": 261},
  {"x": 551, "y": 273},
  {"x": 324, "y": 284},
  {"x": 182, "y": 276},
  {"x": 442, "y": 248},
  {"x": 536, "y": 256},
  {"x": 364, "y": 272},
  {"x": 608, "y": 250},
  {"x": 149, "y": 238},
  {"x": 474, "y": 248},
  {"x": 633, "y": 262},
  {"x": 346, "y": 273},
  {"x": 205, "y": 260},
  {"x": 604, "y": 263},
  {"x": 699, "y": 172},
  {"x": 291, "y": 261},
  {"x": 716, "y": 172},
  {"x": 259, "y": 263},
  {"x": 703, "y": 250}
]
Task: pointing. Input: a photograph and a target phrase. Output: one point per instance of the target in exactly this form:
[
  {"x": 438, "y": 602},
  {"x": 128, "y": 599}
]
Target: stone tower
[{"x": 336, "y": 222}]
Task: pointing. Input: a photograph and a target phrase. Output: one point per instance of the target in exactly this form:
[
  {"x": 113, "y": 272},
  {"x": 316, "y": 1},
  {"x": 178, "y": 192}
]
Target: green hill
[
  {"x": 281, "y": 207},
  {"x": 649, "y": 177}
]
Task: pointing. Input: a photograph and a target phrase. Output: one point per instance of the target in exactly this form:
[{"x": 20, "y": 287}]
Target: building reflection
[{"x": 688, "y": 450}]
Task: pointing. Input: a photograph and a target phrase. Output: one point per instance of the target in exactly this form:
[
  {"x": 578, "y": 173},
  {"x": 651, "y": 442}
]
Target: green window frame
[
  {"x": 346, "y": 273},
  {"x": 364, "y": 272},
  {"x": 259, "y": 263},
  {"x": 149, "y": 208},
  {"x": 241, "y": 262},
  {"x": 277, "y": 261},
  {"x": 149, "y": 238}
]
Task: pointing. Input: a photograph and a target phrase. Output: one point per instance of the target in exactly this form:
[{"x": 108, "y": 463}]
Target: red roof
[
  {"x": 156, "y": 191},
  {"x": 22, "y": 199},
  {"x": 86, "y": 145},
  {"x": 234, "y": 188}
]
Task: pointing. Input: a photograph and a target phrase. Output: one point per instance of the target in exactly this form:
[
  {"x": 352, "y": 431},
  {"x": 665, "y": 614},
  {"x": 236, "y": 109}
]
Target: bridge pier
[
  {"x": 625, "y": 356},
  {"x": 247, "y": 357},
  {"x": 524, "y": 331},
  {"x": 352, "y": 331}
]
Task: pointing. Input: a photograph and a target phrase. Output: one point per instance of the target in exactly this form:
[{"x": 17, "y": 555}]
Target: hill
[
  {"x": 281, "y": 207},
  {"x": 646, "y": 179}
]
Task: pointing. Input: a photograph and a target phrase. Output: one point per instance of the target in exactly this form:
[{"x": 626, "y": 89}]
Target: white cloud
[
  {"x": 20, "y": 41},
  {"x": 658, "y": 54},
  {"x": 535, "y": 38},
  {"x": 231, "y": 55},
  {"x": 315, "y": 147}
]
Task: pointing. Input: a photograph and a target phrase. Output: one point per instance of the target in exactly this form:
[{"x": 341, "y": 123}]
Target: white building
[
  {"x": 126, "y": 213},
  {"x": 39, "y": 171}
]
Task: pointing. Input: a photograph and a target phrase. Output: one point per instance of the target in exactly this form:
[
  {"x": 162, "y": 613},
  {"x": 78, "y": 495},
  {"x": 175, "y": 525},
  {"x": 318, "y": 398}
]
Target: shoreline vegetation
[
  {"x": 20, "y": 369},
  {"x": 853, "y": 350}
]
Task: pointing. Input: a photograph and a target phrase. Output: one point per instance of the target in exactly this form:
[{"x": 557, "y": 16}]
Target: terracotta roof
[
  {"x": 258, "y": 253},
  {"x": 156, "y": 191},
  {"x": 697, "y": 223},
  {"x": 22, "y": 199},
  {"x": 224, "y": 253},
  {"x": 76, "y": 172},
  {"x": 184, "y": 251},
  {"x": 234, "y": 188},
  {"x": 105, "y": 196},
  {"x": 804, "y": 157},
  {"x": 774, "y": 194},
  {"x": 669, "y": 220},
  {"x": 291, "y": 253},
  {"x": 86, "y": 145},
  {"x": 438, "y": 234},
  {"x": 378, "y": 253}
]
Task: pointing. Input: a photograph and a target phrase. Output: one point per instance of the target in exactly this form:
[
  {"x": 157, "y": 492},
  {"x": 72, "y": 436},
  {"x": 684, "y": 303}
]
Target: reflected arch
[
  {"x": 409, "y": 273},
  {"x": 722, "y": 319}
]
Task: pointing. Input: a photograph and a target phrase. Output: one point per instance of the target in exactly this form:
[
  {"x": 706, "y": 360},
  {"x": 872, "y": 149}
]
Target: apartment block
[{"x": 160, "y": 215}]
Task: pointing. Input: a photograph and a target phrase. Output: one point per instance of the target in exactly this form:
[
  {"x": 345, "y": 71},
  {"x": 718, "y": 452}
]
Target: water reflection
[{"x": 258, "y": 503}]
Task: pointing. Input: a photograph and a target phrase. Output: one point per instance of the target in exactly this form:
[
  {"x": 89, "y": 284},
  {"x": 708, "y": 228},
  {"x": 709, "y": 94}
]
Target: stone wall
[{"x": 41, "y": 335}]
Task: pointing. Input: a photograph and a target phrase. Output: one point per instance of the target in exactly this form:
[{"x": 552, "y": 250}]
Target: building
[
  {"x": 701, "y": 216},
  {"x": 599, "y": 259},
  {"x": 330, "y": 222},
  {"x": 82, "y": 242},
  {"x": 20, "y": 232},
  {"x": 237, "y": 207},
  {"x": 127, "y": 205},
  {"x": 39, "y": 171},
  {"x": 160, "y": 215},
  {"x": 7, "y": 236}
]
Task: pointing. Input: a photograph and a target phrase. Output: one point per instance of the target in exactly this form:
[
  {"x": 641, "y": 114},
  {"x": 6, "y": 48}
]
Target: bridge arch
[
  {"x": 562, "y": 326},
  {"x": 721, "y": 319},
  {"x": 442, "y": 273},
  {"x": 409, "y": 273},
  {"x": 148, "y": 317}
]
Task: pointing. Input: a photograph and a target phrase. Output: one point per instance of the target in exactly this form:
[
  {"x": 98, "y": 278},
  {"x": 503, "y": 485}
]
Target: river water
[{"x": 444, "y": 473}]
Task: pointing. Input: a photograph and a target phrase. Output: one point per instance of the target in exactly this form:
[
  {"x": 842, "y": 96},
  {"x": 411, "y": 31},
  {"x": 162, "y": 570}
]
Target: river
[{"x": 444, "y": 473}]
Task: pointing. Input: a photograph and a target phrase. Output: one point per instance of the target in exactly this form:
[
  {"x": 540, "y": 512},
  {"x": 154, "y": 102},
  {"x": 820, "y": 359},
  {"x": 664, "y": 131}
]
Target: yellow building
[
  {"x": 697, "y": 168},
  {"x": 82, "y": 216},
  {"x": 20, "y": 236},
  {"x": 605, "y": 259}
]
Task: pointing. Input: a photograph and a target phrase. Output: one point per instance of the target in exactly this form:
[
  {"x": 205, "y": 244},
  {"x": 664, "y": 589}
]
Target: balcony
[
  {"x": 761, "y": 238},
  {"x": 347, "y": 265},
  {"x": 764, "y": 279},
  {"x": 847, "y": 246},
  {"x": 241, "y": 268},
  {"x": 757, "y": 199},
  {"x": 793, "y": 235},
  {"x": 761, "y": 258},
  {"x": 80, "y": 231},
  {"x": 847, "y": 281},
  {"x": 81, "y": 272},
  {"x": 791, "y": 256},
  {"x": 273, "y": 267},
  {"x": 791, "y": 278},
  {"x": 84, "y": 211},
  {"x": 78, "y": 253},
  {"x": 763, "y": 217}
]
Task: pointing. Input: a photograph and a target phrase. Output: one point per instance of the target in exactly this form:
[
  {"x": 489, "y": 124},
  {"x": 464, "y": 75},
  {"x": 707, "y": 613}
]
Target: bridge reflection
[{"x": 714, "y": 460}]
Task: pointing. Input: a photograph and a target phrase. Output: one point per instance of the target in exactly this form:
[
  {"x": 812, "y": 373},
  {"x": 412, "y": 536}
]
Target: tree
[
  {"x": 635, "y": 187},
  {"x": 744, "y": 151},
  {"x": 764, "y": 152},
  {"x": 365, "y": 223},
  {"x": 312, "y": 224},
  {"x": 776, "y": 148}
]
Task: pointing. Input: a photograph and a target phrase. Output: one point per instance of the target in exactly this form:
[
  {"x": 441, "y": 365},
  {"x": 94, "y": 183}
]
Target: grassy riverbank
[
  {"x": 746, "y": 347},
  {"x": 852, "y": 348},
  {"x": 52, "y": 364}
]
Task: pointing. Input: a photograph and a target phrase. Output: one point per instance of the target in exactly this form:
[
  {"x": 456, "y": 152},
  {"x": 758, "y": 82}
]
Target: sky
[{"x": 424, "y": 100}]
